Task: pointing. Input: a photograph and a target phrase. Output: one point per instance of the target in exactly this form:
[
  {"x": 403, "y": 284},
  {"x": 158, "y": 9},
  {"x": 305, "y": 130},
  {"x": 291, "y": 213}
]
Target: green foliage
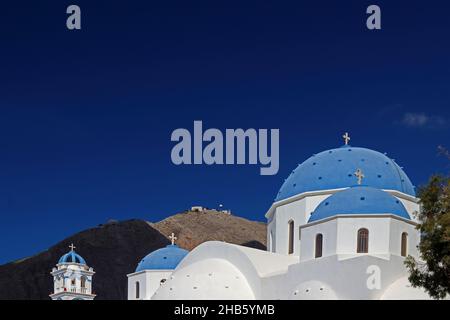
[{"x": 433, "y": 272}]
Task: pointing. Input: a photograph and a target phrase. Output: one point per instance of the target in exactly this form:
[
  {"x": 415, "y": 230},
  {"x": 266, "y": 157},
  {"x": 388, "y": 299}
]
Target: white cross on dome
[{"x": 173, "y": 238}]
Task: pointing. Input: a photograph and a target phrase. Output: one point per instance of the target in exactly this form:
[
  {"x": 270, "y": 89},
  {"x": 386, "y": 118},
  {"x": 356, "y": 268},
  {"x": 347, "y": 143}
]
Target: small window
[
  {"x": 319, "y": 245},
  {"x": 363, "y": 241},
  {"x": 404, "y": 244},
  {"x": 137, "y": 290},
  {"x": 83, "y": 282},
  {"x": 290, "y": 237},
  {"x": 271, "y": 242}
]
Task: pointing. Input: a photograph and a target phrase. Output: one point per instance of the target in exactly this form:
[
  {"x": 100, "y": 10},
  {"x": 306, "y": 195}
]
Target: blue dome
[
  {"x": 333, "y": 169},
  {"x": 163, "y": 259},
  {"x": 72, "y": 257},
  {"x": 359, "y": 200}
]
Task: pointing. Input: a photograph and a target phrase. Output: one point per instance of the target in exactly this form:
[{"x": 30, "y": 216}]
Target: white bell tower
[{"x": 72, "y": 278}]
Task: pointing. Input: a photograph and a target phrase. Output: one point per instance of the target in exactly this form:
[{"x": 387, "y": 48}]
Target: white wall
[
  {"x": 132, "y": 279},
  {"x": 299, "y": 211},
  {"x": 292, "y": 211},
  {"x": 308, "y": 239},
  {"x": 340, "y": 236},
  {"x": 216, "y": 270},
  {"x": 347, "y": 234},
  {"x": 397, "y": 228},
  {"x": 208, "y": 279},
  {"x": 149, "y": 282},
  {"x": 343, "y": 279}
]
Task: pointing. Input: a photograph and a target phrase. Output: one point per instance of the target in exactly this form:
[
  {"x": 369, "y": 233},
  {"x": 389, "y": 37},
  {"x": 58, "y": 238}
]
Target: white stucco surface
[{"x": 402, "y": 290}]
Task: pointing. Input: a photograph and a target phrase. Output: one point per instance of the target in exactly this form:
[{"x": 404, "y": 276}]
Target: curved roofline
[
  {"x": 149, "y": 271},
  {"x": 403, "y": 290},
  {"x": 252, "y": 263},
  {"x": 286, "y": 190},
  {"x": 344, "y": 202},
  {"x": 219, "y": 249},
  {"x": 302, "y": 195},
  {"x": 73, "y": 256},
  {"x": 357, "y": 215},
  {"x": 162, "y": 258}
]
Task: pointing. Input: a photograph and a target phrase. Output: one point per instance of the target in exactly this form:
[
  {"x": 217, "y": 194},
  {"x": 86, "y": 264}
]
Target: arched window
[
  {"x": 137, "y": 290},
  {"x": 57, "y": 281},
  {"x": 363, "y": 241},
  {"x": 319, "y": 245},
  {"x": 290, "y": 237},
  {"x": 404, "y": 246},
  {"x": 61, "y": 283},
  {"x": 83, "y": 282}
]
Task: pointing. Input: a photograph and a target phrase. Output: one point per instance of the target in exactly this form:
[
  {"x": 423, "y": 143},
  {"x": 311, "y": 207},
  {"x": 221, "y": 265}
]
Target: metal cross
[
  {"x": 173, "y": 238},
  {"x": 346, "y": 138},
  {"x": 360, "y": 175},
  {"x": 72, "y": 246}
]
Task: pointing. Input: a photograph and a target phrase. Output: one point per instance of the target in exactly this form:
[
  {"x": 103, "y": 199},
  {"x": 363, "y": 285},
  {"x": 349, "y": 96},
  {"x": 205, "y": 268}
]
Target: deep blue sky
[{"x": 86, "y": 116}]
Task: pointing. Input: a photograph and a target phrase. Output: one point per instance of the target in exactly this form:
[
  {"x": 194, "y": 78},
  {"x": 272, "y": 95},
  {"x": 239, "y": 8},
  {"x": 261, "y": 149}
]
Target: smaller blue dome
[
  {"x": 166, "y": 258},
  {"x": 359, "y": 200},
  {"x": 72, "y": 257}
]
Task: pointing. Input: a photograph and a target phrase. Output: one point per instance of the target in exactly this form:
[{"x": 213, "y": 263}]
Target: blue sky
[{"x": 86, "y": 116}]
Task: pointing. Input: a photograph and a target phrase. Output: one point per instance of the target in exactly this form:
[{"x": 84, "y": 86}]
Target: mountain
[
  {"x": 114, "y": 249},
  {"x": 193, "y": 228}
]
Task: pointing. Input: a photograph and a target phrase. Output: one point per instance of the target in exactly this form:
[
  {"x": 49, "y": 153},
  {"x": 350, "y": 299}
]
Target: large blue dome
[
  {"x": 166, "y": 258},
  {"x": 359, "y": 200},
  {"x": 72, "y": 257},
  {"x": 334, "y": 169}
]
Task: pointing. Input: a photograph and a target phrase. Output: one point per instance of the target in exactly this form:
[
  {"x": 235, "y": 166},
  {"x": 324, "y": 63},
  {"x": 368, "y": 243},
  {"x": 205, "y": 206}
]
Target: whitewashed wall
[{"x": 149, "y": 282}]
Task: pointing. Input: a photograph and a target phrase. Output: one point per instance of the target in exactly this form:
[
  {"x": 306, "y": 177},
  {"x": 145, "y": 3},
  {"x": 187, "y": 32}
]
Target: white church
[{"x": 340, "y": 227}]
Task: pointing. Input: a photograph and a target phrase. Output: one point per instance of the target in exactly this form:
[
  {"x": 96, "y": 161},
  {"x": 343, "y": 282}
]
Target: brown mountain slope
[
  {"x": 115, "y": 249},
  {"x": 194, "y": 228}
]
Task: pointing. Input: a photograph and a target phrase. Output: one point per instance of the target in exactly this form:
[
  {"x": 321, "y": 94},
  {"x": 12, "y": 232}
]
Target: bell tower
[{"x": 72, "y": 278}]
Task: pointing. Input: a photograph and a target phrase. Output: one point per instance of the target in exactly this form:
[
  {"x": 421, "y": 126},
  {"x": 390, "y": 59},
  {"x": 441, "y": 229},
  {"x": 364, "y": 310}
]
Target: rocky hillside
[
  {"x": 194, "y": 228},
  {"x": 114, "y": 249}
]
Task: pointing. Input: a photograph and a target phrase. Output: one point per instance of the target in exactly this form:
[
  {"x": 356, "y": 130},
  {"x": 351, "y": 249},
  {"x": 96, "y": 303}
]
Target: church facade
[{"x": 340, "y": 227}]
